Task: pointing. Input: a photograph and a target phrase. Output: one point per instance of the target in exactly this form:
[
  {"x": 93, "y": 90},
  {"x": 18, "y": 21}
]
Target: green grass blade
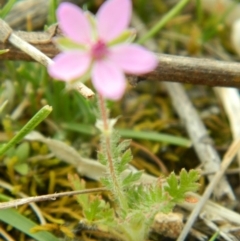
[
  {"x": 23, "y": 224},
  {"x": 52, "y": 12},
  {"x": 163, "y": 21},
  {"x": 214, "y": 237},
  {"x": 143, "y": 135},
  {"x": 36, "y": 119},
  {"x": 154, "y": 136},
  {"x": 81, "y": 128},
  {"x": 6, "y": 9}
]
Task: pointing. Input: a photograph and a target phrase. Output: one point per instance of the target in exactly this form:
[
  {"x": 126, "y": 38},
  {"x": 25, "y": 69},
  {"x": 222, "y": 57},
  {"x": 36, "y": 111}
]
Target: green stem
[
  {"x": 162, "y": 22},
  {"x": 36, "y": 119},
  {"x": 106, "y": 134}
]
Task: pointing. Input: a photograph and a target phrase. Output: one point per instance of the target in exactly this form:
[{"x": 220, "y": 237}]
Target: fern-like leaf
[
  {"x": 186, "y": 183},
  {"x": 124, "y": 160},
  {"x": 131, "y": 178}
]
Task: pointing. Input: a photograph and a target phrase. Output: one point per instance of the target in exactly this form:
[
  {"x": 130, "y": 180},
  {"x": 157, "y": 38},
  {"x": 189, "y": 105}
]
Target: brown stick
[
  {"x": 193, "y": 71},
  {"x": 171, "y": 68}
]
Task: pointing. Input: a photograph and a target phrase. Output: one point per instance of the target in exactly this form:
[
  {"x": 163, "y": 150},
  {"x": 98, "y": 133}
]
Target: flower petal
[
  {"x": 69, "y": 65},
  {"x": 133, "y": 58},
  {"x": 108, "y": 80},
  {"x": 73, "y": 22},
  {"x": 112, "y": 18}
]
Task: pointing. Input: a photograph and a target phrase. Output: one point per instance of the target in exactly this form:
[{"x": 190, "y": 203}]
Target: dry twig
[
  {"x": 171, "y": 68},
  {"x": 17, "y": 202}
]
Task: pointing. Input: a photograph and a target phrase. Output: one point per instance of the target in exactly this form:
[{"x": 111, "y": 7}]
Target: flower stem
[{"x": 106, "y": 135}]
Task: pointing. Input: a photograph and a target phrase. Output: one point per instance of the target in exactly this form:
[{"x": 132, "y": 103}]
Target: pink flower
[{"x": 93, "y": 48}]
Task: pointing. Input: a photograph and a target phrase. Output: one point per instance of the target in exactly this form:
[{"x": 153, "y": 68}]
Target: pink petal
[
  {"x": 108, "y": 80},
  {"x": 73, "y": 22},
  {"x": 69, "y": 65},
  {"x": 112, "y": 18},
  {"x": 133, "y": 58}
]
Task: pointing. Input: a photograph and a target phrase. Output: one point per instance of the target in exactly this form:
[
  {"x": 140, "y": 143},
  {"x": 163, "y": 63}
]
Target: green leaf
[
  {"x": 127, "y": 36},
  {"x": 18, "y": 221},
  {"x": 22, "y": 168},
  {"x": 172, "y": 181},
  {"x": 98, "y": 211},
  {"x": 187, "y": 182},
  {"x": 67, "y": 44},
  {"x": 123, "y": 145},
  {"x": 92, "y": 206},
  {"x": 156, "y": 194},
  {"x": 125, "y": 159},
  {"x": 22, "y": 152},
  {"x": 106, "y": 182},
  {"x": 130, "y": 178},
  {"x": 173, "y": 188},
  {"x": 102, "y": 158},
  {"x": 93, "y": 210},
  {"x": 79, "y": 184},
  {"x": 134, "y": 196}
]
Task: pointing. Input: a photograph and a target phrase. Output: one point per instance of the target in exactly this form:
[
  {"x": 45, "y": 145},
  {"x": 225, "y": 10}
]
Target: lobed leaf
[
  {"x": 102, "y": 158},
  {"x": 131, "y": 178},
  {"x": 122, "y": 146},
  {"x": 125, "y": 159},
  {"x": 186, "y": 183}
]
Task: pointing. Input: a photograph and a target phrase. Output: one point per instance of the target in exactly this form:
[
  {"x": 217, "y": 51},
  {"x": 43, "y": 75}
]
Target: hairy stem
[{"x": 106, "y": 135}]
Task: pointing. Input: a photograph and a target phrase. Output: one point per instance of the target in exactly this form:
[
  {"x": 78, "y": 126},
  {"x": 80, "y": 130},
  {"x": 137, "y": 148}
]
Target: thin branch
[
  {"x": 17, "y": 202},
  {"x": 34, "y": 206},
  {"x": 171, "y": 68},
  {"x": 197, "y": 71}
]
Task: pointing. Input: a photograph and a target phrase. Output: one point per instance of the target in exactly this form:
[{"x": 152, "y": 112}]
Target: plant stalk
[{"x": 106, "y": 135}]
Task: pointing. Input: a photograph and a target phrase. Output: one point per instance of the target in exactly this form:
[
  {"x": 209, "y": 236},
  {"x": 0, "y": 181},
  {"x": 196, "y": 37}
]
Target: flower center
[{"x": 99, "y": 50}]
